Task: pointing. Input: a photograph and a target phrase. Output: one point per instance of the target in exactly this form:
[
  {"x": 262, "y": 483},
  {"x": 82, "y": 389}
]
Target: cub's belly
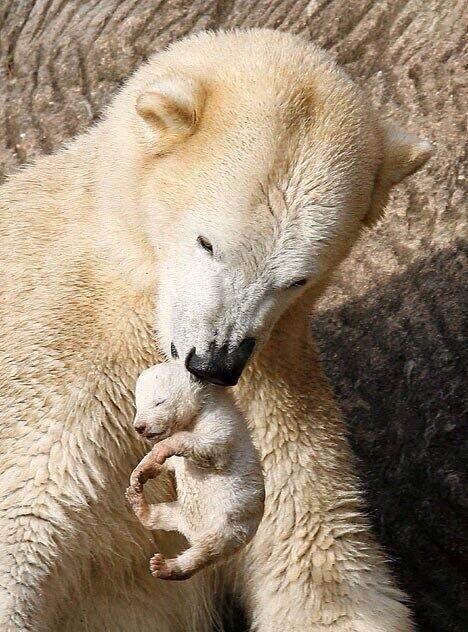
[{"x": 206, "y": 498}]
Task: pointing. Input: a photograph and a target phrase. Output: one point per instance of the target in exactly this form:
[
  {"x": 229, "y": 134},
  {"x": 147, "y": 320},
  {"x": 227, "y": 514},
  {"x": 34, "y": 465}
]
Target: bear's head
[
  {"x": 167, "y": 400},
  {"x": 248, "y": 164}
]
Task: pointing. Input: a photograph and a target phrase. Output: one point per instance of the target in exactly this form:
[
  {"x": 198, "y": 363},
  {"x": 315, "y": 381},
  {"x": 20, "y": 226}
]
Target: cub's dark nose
[
  {"x": 220, "y": 365},
  {"x": 140, "y": 427}
]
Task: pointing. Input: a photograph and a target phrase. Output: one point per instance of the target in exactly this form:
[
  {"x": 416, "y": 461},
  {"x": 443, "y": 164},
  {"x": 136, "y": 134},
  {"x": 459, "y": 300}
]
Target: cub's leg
[
  {"x": 163, "y": 516},
  {"x": 203, "y": 454},
  {"x": 149, "y": 467},
  {"x": 205, "y": 551}
]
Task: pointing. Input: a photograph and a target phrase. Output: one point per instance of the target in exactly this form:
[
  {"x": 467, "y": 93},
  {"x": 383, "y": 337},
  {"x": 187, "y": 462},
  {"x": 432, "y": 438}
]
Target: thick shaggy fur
[{"x": 281, "y": 150}]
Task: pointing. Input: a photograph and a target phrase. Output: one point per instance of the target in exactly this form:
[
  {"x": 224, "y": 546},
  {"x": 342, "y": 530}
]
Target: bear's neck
[
  {"x": 285, "y": 393},
  {"x": 121, "y": 224}
]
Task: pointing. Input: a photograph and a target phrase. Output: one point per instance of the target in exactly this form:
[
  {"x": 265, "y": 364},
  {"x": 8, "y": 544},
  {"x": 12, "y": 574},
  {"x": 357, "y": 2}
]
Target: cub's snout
[
  {"x": 147, "y": 429},
  {"x": 220, "y": 365}
]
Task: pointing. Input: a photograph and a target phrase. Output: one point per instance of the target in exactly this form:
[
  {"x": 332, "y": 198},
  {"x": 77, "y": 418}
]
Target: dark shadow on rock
[{"x": 397, "y": 362}]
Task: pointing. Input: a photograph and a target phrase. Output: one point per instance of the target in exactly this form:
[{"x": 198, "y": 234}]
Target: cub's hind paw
[
  {"x": 167, "y": 569},
  {"x": 159, "y": 567}
]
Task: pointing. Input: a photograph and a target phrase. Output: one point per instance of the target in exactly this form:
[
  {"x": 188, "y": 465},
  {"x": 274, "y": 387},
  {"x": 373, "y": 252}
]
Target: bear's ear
[
  {"x": 170, "y": 110},
  {"x": 403, "y": 154}
]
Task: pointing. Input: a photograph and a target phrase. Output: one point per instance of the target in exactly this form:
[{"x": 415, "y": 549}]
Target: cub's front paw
[
  {"x": 134, "y": 496},
  {"x": 144, "y": 472}
]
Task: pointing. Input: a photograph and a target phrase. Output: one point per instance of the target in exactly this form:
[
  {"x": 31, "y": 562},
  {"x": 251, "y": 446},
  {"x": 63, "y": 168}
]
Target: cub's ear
[
  {"x": 403, "y": 154},
  {"x": 170, "y": 110}
]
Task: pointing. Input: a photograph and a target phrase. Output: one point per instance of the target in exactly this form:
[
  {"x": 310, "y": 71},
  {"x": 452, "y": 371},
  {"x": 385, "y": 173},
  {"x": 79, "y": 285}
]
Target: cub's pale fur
[
  {"x": 258, "y": 142},
  {"x": 202, "y": 438}
]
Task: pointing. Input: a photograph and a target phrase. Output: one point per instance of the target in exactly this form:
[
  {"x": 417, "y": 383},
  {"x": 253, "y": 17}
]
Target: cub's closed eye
[
  {"x": 205, "y": 244},
  {"x": 297, "y": 283}
]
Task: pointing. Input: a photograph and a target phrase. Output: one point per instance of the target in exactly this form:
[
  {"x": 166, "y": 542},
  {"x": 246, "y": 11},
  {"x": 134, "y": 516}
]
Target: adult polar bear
[{"x": 203, "y": 215}]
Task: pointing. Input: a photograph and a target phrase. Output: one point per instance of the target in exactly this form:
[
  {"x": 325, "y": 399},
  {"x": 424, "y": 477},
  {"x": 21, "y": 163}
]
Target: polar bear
[
  {"x": 202, "y": 437},
  {"x": 200, "y": 218}
]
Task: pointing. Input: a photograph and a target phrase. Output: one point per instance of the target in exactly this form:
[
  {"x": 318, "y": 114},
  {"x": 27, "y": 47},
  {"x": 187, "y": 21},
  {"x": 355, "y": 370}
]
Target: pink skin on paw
[
  {"x": 159, "y": 567},
  {"x": 134, "y": 491},
  {"x": 137, "y": 502},
  {"x": 166, "y": 569},
  {"x": 133, "y": 496}
]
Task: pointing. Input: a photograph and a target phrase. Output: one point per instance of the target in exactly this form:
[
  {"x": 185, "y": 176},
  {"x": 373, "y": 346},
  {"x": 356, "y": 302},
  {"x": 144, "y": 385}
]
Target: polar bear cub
[{"x": 203, "y": 438}]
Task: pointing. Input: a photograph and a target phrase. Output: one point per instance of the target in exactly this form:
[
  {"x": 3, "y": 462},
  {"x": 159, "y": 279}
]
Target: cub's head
[
  {"x": 255, "y": 163},
  {"x": 167, "y": 399}
]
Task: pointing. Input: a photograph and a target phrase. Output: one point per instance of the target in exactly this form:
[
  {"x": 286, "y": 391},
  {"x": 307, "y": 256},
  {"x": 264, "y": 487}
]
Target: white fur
[{"x": 203, "y": 439}]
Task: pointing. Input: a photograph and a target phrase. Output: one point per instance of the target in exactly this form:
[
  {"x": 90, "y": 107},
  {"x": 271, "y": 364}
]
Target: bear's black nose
[{"x": 220, "y": 365}]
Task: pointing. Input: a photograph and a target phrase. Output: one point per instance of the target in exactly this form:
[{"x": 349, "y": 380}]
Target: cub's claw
[
  {"x": 167, "y": 569},
  {"x": 159, "y": 567}
]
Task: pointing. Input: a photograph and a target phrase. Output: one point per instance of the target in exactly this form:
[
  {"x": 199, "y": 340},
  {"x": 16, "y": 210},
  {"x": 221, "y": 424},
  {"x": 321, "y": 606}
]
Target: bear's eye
[
  {"x": 205, "y": 244},
  {"x": 297, "y": 283}
]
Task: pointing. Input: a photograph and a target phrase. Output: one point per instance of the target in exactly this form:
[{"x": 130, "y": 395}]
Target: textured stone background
[{"x": 391, "y": 329}]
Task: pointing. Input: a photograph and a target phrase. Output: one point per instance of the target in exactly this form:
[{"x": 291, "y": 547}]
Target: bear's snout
[{"x": 220, "y": 365}]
